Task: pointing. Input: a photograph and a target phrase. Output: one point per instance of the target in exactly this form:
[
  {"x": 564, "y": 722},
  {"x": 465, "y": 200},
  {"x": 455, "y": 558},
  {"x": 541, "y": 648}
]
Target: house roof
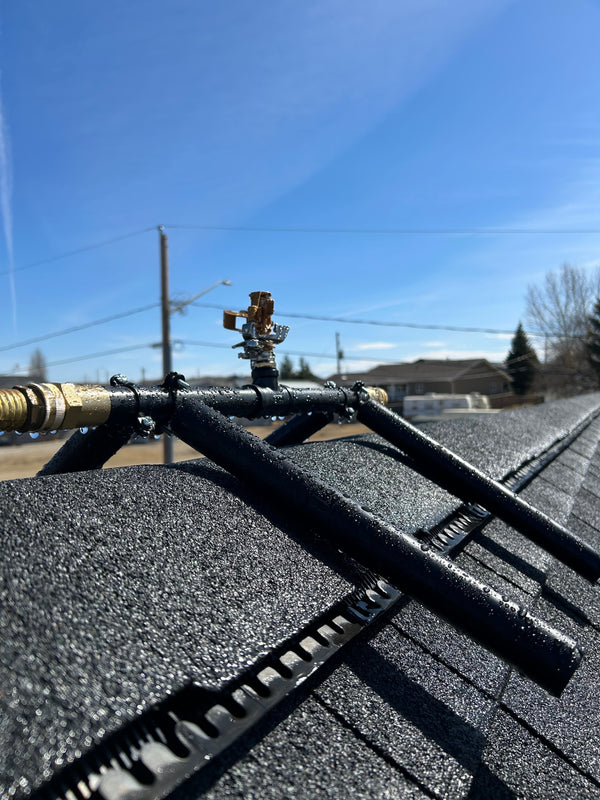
[
  {"x": 427, "y": 370},
  {"x": 142, "y": 595}
]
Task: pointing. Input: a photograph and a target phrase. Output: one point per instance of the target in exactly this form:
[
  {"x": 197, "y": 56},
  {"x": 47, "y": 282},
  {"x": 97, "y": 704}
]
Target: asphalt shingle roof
[{"x": 122, "y": 588}]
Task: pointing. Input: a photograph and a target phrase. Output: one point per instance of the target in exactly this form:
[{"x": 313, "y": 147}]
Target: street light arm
[{"x": 179, "y": 305}]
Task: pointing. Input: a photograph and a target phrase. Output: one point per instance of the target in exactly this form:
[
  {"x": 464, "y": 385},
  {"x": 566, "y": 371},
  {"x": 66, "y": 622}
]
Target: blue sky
[{"x": 422, "y": 114}]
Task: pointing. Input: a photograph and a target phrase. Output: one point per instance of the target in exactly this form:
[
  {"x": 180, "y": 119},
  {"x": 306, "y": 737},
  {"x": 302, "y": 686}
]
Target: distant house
[{"x": 429, "y": 375}]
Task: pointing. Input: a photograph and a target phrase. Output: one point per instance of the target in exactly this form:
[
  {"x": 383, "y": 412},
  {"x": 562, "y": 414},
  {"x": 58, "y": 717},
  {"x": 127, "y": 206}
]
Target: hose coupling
[
  {"x": 53, "y": 406},
  {"x": 366, "y": 393},
  {"x": 377, "y": 394}
]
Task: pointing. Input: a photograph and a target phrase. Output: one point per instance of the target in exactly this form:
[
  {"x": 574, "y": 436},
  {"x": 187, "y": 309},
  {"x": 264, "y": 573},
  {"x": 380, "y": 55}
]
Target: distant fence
[{"x": 509, "y": 400}]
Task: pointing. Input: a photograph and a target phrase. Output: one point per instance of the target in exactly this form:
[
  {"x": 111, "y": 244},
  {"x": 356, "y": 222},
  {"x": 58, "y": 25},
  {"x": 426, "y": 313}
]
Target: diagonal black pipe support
[
  {"x": 91, "y": 450},
  {"x": 541, "y": 652},
  {"x": 297, "y": 429},
  {"x": 468, "y": 483}
]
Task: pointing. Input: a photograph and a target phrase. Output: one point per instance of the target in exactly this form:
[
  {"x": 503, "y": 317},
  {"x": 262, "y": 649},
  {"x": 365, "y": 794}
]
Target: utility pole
[
  {"x": 339, "y": 354},
  {"x": 165, "y": 307}
]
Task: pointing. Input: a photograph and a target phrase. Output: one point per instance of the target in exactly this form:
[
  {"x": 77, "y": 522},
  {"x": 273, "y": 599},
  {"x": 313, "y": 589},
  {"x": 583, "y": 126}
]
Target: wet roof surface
[{"x": 121, "y": 587}]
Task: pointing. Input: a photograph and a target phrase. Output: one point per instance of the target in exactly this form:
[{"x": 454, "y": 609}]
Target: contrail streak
[{"x": 6, "y": 206}]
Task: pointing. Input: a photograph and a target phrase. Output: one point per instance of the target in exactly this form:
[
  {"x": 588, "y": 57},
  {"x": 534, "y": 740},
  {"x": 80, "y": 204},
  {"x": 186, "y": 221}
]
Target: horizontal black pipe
[
  {"x": 544, "y": 654},
  {"x": 91, "y": 450},
  {"x": 127, "y": 403},
  {"x": 299, "y": 428},
  {"x": 469, "y": 484}
]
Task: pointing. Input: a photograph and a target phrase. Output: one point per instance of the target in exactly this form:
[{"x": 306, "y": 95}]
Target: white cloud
[
  {"x": 434, "y": 344},
  {"x": 375, "y": 346},
  {"x": 504, "y": 336}
]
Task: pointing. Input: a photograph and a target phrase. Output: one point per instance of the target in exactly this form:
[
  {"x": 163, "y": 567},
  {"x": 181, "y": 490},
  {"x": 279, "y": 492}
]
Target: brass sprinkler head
[{"x": 260, "y": 334}]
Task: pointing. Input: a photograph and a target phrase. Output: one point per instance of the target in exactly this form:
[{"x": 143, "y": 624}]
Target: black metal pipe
[
  {"x": 91, "y": 450},
  {"x": 266, "y": 376},
  {"x": 299, "y": 428},
  {"x": 541, "y": 652},
  {"x": 469, "y": 484},
  {"x": 127, "y": 403},
  {"x": 65, "y": 406}
]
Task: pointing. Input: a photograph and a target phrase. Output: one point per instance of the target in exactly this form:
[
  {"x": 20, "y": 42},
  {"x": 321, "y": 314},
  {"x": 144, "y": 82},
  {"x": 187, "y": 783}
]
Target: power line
[
  {"x": 131, "y": 312},
  {"x": 381, "y": 323},
  {"x": 130, "y": 348},
  {"x": 343, "y": 231},
  {"x": 387, "y": 231},
  {"x": 308, "y": 354},
  {"x": 99, "y": 354},
  {"x": 285, "y": 352},
  {"x": 314, "y": 317},
  {"x": 78, "y": 251},
  {"x": 388, "y": 324},
  {"x": 75, "y": 328},
  {"x": 90, "y": 355}
]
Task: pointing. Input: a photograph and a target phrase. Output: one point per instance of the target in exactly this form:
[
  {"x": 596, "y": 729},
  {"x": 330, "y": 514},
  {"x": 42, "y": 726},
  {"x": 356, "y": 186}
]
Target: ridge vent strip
[
  {"x": 155, "y": 760},
  {"x": 456, "y": 529}
]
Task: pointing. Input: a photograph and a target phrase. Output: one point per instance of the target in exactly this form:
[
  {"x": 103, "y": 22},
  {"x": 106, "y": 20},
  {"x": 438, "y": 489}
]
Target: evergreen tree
[
  {"x": 593, "y": 339},
  {"x": 521, "y": 362},
  {"x": 286, "y": 368},
  {"x": 304, "y": 371}
]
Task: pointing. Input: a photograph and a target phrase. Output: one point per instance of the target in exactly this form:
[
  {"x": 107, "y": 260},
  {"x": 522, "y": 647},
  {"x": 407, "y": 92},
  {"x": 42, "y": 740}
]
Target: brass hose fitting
[
  {"x": 13, "y": 410},
  {"x": 379, "y": 395},
  {"x": 53, "y": 406}
]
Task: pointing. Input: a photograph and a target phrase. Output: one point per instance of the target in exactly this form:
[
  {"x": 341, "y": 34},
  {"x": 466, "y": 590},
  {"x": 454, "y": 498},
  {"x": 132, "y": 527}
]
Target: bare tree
[{"x": 559, "y": 309}]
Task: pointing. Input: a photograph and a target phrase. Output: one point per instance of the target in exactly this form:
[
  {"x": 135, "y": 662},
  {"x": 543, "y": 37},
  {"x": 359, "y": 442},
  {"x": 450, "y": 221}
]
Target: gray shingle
[{"x": 120, "y": 588}]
